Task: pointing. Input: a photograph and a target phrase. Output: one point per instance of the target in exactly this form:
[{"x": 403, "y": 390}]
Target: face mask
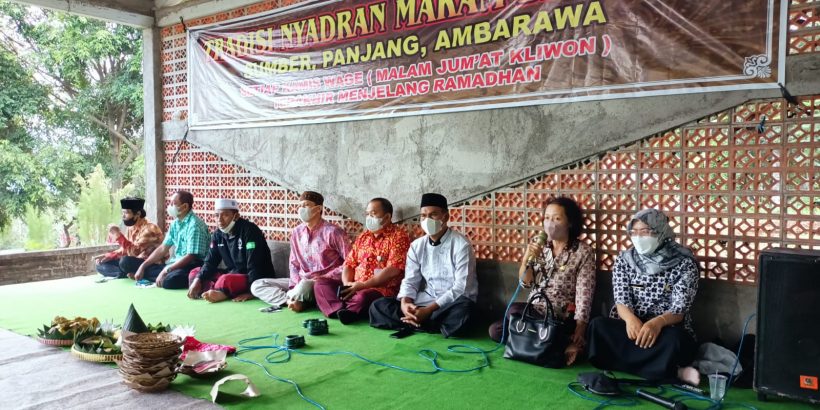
[
  {"x": 431, "y": 226},
  {"x": 645, "y": 244},
  {"x": 555, "y": 231},
  {"x": 172, "y": 210},
  {"x": 228, "y": 228},
  {"x": 129, "y": 222},
  {"x": 373, "y": 224},
  {"x": 305, "y": 213}
]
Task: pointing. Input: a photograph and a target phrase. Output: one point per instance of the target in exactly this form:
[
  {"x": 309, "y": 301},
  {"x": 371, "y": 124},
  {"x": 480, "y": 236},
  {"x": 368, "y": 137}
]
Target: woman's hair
[{"x": 573, "y": 212}]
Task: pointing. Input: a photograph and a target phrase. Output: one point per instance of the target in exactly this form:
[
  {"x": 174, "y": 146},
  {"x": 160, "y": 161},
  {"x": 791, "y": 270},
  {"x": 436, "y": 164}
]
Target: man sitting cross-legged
[{"x": 241, "y": 246}]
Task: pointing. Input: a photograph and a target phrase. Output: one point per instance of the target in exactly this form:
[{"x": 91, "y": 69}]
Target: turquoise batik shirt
[{"x": 189, "y": 236}]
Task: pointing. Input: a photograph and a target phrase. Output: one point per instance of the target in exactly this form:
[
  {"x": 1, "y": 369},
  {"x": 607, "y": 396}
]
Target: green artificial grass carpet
[{"x": 336, "y": 382}]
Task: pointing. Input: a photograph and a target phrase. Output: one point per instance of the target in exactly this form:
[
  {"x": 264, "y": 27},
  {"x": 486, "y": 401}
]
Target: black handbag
[{"x": 537, "y": 340}]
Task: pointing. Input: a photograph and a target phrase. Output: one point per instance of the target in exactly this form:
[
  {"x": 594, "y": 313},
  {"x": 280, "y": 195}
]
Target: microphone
[
  {"x": 661, "y": 401},
  {"x": 540, "y": 240}
]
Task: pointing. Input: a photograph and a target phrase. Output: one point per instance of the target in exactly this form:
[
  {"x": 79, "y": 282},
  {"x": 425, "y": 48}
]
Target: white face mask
[
  {"x": 228, "y": 228},
  {"x": 645, "y": 244},
  {"x": 431, "y": 226},
  {"x": 373, "y": 224},
  {"x": 305, "y": 213},
  {"x": 172, "y": 210}
]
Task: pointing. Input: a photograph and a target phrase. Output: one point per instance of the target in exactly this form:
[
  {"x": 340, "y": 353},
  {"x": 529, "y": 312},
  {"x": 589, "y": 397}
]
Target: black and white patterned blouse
[{"x": 670, "y": 291}]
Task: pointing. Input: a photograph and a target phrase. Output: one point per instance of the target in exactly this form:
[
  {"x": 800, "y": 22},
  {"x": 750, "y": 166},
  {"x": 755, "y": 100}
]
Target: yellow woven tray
[{"x": 93, "y": 357}]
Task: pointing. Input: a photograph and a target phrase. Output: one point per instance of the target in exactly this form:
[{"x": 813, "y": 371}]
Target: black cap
[
  {"x": 432, "y": 199},
  {"x": 134, "y": 204}
]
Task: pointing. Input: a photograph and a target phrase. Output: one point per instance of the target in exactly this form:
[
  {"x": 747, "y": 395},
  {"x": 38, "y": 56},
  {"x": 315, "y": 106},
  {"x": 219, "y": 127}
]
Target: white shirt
[{"x": 440, "y": 273}]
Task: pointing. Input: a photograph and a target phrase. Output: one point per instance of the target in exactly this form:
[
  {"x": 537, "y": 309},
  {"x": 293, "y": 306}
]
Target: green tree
[
  {"x": 34, "y": 172},
  {"x": 95, "y": 211},
  {"x": 20, "y": 97},
  {"x": 94, "y": 73},
  {"x": 40, "y": 230},
  {"x": 70, "y": 98}
]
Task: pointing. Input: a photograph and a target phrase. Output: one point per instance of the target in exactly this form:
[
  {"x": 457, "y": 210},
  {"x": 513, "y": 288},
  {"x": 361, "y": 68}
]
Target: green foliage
[
  {"x": 40, "y": 231},
  {"x": 137, "y": 172},
  {"x": 20, "y": 97},
  {"x": 83, "y": 108},
  {"x": 41, "y": 178},
  {"x": 98, "y": 67},
  {"x": 95, "y": 208}
]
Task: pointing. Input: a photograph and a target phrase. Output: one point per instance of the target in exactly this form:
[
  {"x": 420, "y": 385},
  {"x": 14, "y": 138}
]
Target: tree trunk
[
  {"x": 66, "y": 239},
  {"x": 116, "y": 166}
]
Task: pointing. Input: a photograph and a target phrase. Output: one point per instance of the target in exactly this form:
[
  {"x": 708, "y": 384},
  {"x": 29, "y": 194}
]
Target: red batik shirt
[{"x": 385, "y": 248}]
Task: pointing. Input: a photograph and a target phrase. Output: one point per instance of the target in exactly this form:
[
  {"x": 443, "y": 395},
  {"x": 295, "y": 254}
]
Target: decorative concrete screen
[
  {"x": 730, "y": 190},
  {"x": 804, "y": 26},
  {"x": 343, "y": 60}
]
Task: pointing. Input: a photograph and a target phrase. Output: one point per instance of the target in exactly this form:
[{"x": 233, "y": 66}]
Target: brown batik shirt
[{"x": 568, "y": 280}]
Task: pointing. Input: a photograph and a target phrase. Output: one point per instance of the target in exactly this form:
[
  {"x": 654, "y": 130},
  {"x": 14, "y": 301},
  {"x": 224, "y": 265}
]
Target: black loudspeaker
[{"x": 787, "y": 354}]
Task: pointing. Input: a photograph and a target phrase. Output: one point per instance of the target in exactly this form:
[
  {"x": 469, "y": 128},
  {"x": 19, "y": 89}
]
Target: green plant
[
  {"x": 40, "y": 231},
  {"x": 94, "y": 212}
]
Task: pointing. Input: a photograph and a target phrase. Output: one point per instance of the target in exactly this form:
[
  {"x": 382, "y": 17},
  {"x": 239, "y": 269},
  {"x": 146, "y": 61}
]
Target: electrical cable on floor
[
  {"x": 282, "y": 354},
  {"x": 721, "y": 404}
]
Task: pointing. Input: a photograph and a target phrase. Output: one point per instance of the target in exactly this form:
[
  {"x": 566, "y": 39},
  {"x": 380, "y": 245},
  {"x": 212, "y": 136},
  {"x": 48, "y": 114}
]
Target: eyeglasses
[{"x": 641, "y": 232}]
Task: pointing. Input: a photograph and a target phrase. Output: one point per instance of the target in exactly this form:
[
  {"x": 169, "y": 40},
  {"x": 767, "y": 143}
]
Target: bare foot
[
  {"x": 689, "y": 375},
  {"x": 214, "y": 296},
  {"x": 296, "y": 306}
]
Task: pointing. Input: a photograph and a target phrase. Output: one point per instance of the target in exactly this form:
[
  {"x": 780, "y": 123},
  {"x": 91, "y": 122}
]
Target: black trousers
[
  {"x": 110, "y": 269},
  {"x": 452, "y": 320},
  {"x": 609, "y": 348},
  {"x": 130, "y": 264},
  {"x": 175, "y": 279},
  {"x": 120, "y": 268}
]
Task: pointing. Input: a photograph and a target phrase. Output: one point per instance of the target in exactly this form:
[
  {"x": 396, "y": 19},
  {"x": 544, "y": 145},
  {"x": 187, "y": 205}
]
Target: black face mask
[{"x": 129, "y": 222}]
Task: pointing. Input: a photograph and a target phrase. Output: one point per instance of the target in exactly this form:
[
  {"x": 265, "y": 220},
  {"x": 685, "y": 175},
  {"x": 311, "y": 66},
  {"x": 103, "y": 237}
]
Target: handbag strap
[{"x": 550, "y": 312}]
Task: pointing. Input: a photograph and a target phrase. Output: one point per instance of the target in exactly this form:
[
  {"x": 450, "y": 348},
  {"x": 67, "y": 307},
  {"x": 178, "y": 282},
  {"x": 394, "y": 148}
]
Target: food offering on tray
[
  {"x": 61, "y": 330},
  {"x": 98, "y": 343}
]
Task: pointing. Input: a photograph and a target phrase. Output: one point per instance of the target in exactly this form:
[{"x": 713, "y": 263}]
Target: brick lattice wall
[{"x": 736, "y": 191}]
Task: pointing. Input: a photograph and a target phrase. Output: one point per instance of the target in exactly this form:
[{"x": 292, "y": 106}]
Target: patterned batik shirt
[
  {"x": 371, "y": 251},
  {"x": 138, "y": 240},
  {"x": 568, "y": 280},
  {"x": 670, "y": 291},
  {"x": 317, "y": 253}
]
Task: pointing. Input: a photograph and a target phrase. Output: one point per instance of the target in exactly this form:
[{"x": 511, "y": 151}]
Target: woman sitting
[
  {"x": 654, "y": 283},
  {"x": 562, "y": 269}
]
